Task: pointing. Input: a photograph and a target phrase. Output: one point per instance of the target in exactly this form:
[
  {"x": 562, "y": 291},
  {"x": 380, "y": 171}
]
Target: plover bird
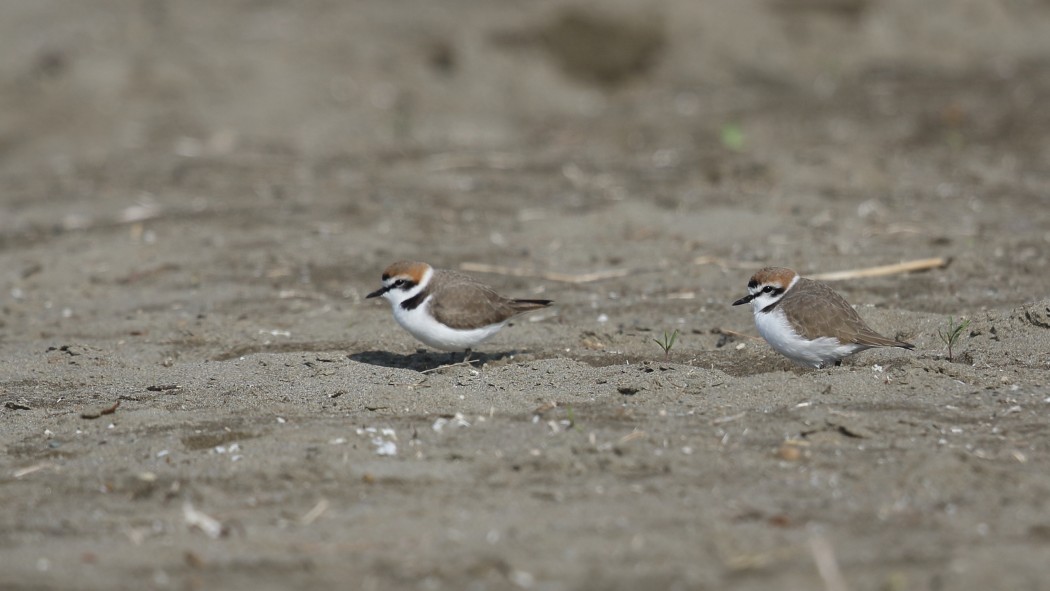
[
  {"x": 445, "y": 309},
  {"x": 806, "y": 321}
]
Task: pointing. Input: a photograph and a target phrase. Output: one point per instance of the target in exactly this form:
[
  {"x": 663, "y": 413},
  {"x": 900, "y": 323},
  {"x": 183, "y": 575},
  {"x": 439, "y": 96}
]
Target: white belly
[
  {"x": 777, "y": 331},
  {"x": 431, "y": 332}
]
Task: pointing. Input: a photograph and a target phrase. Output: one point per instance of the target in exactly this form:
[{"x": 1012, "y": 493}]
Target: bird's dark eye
[
  {"x": 767, "y": 289},
  {"x": 398, "y": 283}
]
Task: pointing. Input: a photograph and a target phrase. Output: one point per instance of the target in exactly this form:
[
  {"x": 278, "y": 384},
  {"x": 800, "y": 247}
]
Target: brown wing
[
  {"x": 825, "y": 313},
  {"x": 465, "y": 303}
]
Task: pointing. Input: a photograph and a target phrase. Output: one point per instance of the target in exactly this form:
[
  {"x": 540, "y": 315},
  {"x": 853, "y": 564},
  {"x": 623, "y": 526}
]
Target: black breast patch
[{"x": 413, "y": 302}]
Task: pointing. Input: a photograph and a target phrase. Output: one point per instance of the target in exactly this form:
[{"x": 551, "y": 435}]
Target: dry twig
[
  {"x": 729, "y": 418},
  {"x": 317, "y": 511},
  {"x": 196, "y": 519},
  {"x": 905, "y": 267},
  {"x": 827, "y": 565},
  {"x": 548, "y": 275},
  {"x": 31, "y": 469},
  {"x": 735, "y": 334},
  {"x": 595, "y": 275},
  {"x": 724, "y": 264},
  {"x": 465, "y": 363},
  {"x": 105, "y": 411}
]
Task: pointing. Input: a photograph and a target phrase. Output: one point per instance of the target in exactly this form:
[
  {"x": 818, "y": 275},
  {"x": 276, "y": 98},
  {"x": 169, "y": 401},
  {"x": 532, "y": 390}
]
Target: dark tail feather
[
  {"x": 526, "y": 305},
  {"x": 873, "y": 339}
]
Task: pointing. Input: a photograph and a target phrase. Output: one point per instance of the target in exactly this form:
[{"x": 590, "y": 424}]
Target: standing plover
[{"x": 445, "y": 309}]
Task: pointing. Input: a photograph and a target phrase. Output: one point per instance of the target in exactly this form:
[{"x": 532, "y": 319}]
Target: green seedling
[
  {"x": 732, "y": 137},
  {"x": 951, "y": 336},
  {"x": 570, "y": 416},
  {"x": 668, "y": 342}
]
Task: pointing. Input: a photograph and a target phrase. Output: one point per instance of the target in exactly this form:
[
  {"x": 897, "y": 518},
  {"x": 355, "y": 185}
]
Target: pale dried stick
[
  {"x": 451, "y": 161},
  {"x": 724, "y": 264},
  {"x": 733, "y": 333},
  {"x": 312, "y": 515},
  {"x": 549, "y": 275},
  {"x": 905, "y": 267},
  {"x": 827, "y": 565},
  {"x": 594, "y": 275}
]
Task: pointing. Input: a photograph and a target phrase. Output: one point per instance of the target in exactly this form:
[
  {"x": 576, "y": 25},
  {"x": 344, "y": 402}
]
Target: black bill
[{"x": 744, "y": 300}]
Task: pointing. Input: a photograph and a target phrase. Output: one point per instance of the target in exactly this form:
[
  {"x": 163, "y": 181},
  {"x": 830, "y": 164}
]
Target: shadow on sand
[{"x": 423, "y": 360}]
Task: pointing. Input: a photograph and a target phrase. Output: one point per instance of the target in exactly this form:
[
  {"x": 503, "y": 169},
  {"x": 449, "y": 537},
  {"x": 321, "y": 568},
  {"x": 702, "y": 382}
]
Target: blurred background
[
  {"x": 196, "y": 195},
  {"x": 307, "y": 144}
]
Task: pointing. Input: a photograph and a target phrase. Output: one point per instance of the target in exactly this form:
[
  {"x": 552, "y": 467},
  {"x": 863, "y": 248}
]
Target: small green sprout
[
  {"x": 732, "y": 137},
  {"x": 570, "y": 416},
  {"x": 668, "y": 342},
  {"x": 951, "y": 336}
]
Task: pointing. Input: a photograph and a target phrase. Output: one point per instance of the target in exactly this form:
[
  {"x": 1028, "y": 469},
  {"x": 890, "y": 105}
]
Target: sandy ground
[{"x": 195, "y": 197}]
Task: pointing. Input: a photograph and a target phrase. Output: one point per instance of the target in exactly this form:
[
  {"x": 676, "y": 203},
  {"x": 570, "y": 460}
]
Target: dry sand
[{"x": 195, "y": 196}]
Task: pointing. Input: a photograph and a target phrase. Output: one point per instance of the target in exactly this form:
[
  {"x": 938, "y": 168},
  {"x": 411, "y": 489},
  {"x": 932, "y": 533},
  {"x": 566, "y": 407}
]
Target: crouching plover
[
  {"x": 447, "y": 310},
  {"x": 807, "y": 322}
]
